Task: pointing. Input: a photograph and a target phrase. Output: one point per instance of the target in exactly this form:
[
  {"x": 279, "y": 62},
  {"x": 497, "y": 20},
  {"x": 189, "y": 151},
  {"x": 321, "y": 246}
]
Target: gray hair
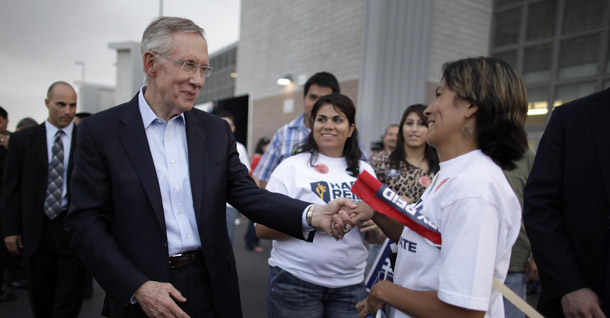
[
  {"x": 26, "y": 123},
  {"x": 157, "y": 36}
]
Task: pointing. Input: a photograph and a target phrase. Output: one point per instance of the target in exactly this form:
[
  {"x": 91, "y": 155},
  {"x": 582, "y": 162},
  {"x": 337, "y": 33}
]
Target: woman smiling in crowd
[
  {"x": 476, "y": 125},
  {"x": 323, "y": 278},
  {"x": 409, "y": 169}
]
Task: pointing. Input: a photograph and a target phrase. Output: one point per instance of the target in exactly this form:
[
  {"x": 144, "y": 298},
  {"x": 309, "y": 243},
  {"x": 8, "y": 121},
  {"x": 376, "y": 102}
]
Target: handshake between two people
[{"x": 340, "y": 216}]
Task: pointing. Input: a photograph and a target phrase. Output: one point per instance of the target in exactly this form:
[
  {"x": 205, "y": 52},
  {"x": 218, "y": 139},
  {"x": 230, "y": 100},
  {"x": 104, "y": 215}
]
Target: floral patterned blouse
[{"x": 409, "y": 180}]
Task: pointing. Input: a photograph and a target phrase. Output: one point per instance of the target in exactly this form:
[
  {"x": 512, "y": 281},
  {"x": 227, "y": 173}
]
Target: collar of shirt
[
  {"x": 148, "y": 116},
  {"x": 52, "y": 130},
  {"x": 299, "y": 123}
]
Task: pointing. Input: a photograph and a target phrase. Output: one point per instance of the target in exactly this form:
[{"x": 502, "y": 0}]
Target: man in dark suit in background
[
  {"x": 150, "y": 183},
  {"x": 567, "y": 209},
  {"x": 35, "y": 200},
  {"x": 4, "y": 133},
  {"x": 3, "y": 251}
]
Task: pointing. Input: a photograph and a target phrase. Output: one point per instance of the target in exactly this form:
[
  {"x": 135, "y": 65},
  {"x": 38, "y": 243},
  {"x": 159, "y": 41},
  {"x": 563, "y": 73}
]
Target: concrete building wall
[
  {"x": 297, "y": 38},
  {"x": 94, "y": 98},
  {"x": 390, "y": 52},
  {"x": 458, "y": 29},
  {"x": 220, "y": 84},
  {"x": 394, "y": 64},
  {"x": 129, "y": 70}
]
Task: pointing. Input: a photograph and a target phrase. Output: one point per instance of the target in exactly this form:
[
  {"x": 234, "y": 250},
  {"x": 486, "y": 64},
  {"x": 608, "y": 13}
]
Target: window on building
[
  {"x": 578, "y": 57},
  {"x": 541, "y": 20},
  {"x": 560, "y": 47},
  {"x": 566, "y": 93},
  {"x": 608, "y": 56},
  {"x": 509, "y": 57},
  {"x": 502, "y": 3},
  {"x": 537, "y": 63},
  {"x": 581, "y": 15},
  {"x": 537, "y": 106},
  {"x": 505, "y": 32}
]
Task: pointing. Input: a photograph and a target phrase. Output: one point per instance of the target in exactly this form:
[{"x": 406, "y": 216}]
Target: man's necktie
[{"x": 52, "y": 204}]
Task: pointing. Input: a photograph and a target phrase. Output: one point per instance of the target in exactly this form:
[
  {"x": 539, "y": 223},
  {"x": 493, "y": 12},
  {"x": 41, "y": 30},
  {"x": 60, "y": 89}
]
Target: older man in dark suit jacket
[
  {"x": 35, "y": 200},
  {"x": 150, "y": 184},
  {"x": 567, "y": 209}
]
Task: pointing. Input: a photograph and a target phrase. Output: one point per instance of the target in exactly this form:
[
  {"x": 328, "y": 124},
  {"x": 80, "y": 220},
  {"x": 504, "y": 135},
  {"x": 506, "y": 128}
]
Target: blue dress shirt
[{"x": 167, "y": 142}]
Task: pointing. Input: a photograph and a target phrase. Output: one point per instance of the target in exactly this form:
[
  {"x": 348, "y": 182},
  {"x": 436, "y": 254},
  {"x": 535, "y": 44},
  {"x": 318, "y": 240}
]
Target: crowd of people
[{"x": 145, "y": 197}]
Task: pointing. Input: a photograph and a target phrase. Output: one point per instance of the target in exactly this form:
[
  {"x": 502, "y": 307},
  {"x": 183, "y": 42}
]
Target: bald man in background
[{"x": 34, "y": 202}]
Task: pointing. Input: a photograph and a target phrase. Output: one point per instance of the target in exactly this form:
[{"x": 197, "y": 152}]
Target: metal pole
[
  {"x": 160, "y": 8},
  {"x": 82, "y": 72},
  {"x": 82, "y": 82}
]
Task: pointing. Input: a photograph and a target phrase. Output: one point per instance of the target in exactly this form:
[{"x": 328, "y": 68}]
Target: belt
[{"x": 185, "y": 259}]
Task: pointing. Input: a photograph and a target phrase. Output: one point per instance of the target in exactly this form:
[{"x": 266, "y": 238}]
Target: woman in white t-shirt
[
  {"x": 323, "y": 278},
  {"x": 476, "y": 125}
]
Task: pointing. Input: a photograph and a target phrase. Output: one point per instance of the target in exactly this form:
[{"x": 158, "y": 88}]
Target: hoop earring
[{"x": 467, "y": 130}]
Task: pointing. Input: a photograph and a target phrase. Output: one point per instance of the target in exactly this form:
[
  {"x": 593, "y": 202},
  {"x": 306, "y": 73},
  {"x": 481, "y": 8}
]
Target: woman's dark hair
[
  {"x": 351, "y": 150},
  {"x": 500, "y": 95},
  {"x": 261, "y": 144},
  {"x": 399, "y": 154}
]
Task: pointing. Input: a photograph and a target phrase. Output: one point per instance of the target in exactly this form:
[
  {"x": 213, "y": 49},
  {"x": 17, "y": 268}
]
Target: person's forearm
[
  {"x": 390, "y": 227},
  {"x": 267, "y": 233},
  {"x": 420, "y": 303},
  {"x": 262, "y": 184},
  {"x": 374, "y": 238}
]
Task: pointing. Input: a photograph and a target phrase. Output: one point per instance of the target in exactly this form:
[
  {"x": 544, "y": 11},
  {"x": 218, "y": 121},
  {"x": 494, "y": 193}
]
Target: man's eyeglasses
[{"x": 189, "y": 67}]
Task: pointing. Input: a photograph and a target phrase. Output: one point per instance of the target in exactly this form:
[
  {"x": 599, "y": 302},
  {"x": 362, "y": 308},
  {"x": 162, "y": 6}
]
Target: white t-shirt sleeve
[
  {"x": 277, "y": 181},
  {"x": 469, "y": 229},
  {"x": 282, "y": 182},
  {"x": 365, "y": 166},
  {"x": 243, "y": 155}
]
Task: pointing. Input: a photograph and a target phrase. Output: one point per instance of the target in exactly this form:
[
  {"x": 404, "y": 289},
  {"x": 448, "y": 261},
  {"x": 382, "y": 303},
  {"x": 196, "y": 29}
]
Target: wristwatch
[{"x": 309, "y": 215}]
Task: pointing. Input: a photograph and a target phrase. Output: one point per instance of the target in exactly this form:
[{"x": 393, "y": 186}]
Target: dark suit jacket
[
  {"x": 24, "y": 185},
  {"x": 116, "y": 222},
  {"x": 2, "y": 164},
  {"x": 567, "y": 202}
]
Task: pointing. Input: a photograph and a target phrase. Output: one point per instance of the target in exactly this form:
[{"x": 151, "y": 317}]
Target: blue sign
[{"x": 382, "y": 267}]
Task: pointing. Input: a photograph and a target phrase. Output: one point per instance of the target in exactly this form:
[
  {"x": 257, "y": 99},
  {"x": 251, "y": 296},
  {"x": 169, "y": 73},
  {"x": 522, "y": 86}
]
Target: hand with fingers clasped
[
  {"x": 157, "y": 300},
  {"x": 334, "y": 218}
]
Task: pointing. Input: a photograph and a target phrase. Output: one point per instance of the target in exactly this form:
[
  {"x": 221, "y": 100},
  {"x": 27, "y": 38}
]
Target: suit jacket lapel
[
  {"x": 39, "y": 143},
  {"x": 195, "y": 140},
  {"x": 71, "y": 161},
  {"x": 72, "y": 149},
  {"x": 136, "y": 146},
  {"x": 600, "y": 112}
]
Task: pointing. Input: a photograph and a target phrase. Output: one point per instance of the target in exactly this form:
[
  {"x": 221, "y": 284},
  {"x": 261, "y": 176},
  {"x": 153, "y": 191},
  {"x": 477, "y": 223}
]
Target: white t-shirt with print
[
  {"x": 324, "y": 262},
  {"x": 478, "y": 216},
  {"x": 243, "y": 157}
]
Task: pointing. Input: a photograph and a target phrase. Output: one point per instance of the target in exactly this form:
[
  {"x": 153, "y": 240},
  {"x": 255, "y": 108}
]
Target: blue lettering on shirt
[
  {"x": 407, "y": 245},
  {"x": 330, "y": 191}
]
